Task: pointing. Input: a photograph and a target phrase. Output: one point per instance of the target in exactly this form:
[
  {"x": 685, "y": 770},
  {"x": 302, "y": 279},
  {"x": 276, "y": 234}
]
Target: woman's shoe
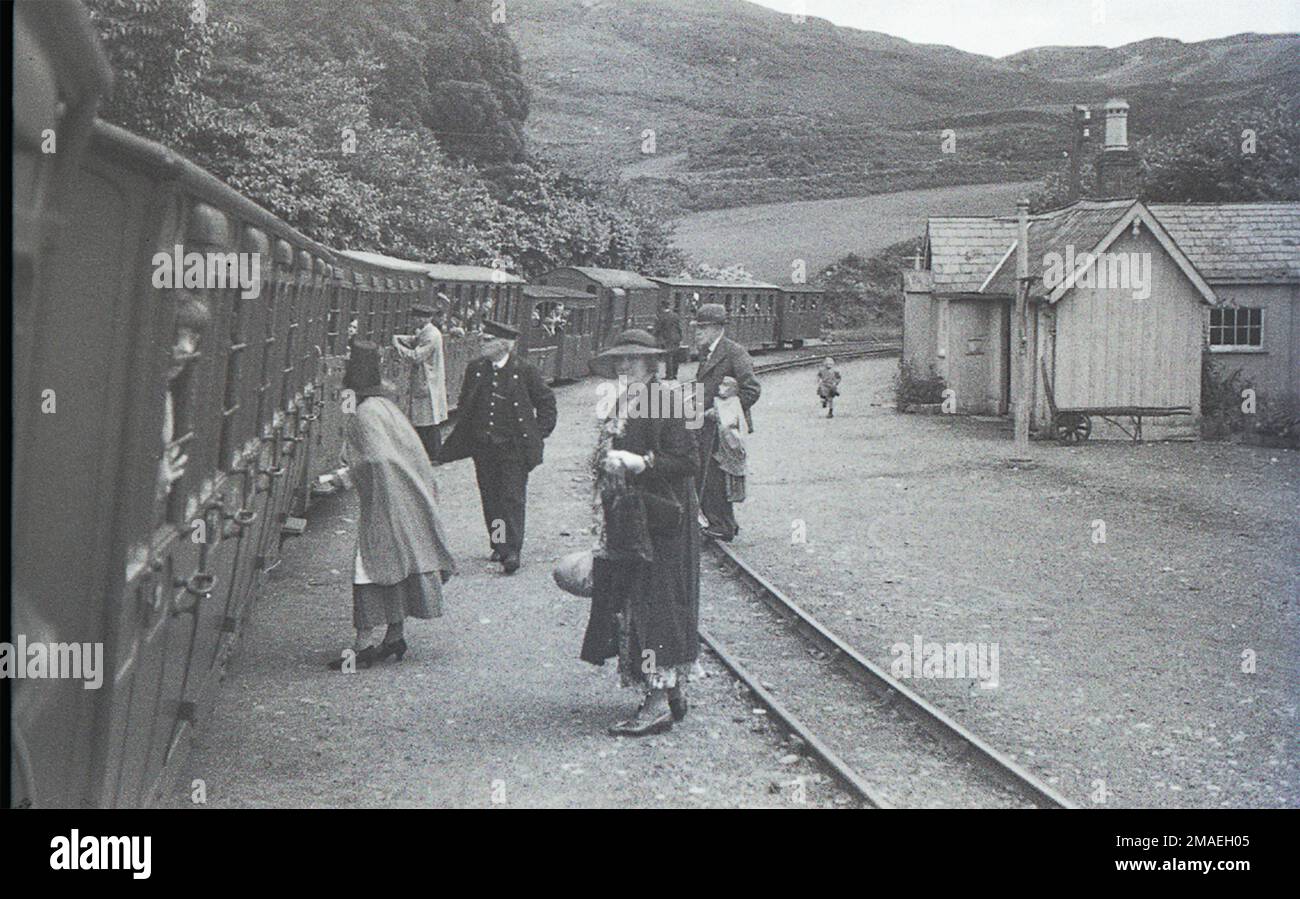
[
  {"x": 654, "y": 717},
  {"x": 396, "y": 648},
  {"x": 643, "y": 726},
  {"x": 363, "y": 659},
  {"x": 678, "y": 703}
]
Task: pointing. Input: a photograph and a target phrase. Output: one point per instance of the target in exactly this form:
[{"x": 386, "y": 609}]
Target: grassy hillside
[
  {"x": 767, "y": 240},
  {"x": 748, "y": 106}
]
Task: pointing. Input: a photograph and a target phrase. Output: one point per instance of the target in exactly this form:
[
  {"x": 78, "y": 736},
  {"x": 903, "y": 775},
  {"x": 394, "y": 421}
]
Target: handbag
[
  {"x": 663, "y": 515},
  {"x": 573, "y": 573}
]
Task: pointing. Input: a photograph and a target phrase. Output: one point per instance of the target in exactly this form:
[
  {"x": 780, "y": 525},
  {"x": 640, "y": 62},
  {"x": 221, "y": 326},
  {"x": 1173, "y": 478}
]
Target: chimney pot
[{"x": 1116, "y": 125}]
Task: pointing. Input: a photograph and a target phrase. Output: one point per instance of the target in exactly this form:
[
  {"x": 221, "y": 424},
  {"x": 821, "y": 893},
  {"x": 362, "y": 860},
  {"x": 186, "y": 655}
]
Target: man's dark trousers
[
  {"x": 503, "y": 490},
  {"x": 671, "y": 361}
]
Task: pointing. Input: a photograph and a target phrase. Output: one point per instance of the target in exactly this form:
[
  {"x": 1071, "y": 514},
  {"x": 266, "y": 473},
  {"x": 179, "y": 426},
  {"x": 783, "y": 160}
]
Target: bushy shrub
[
  {"x": 913, "y": 387},
  {"x": 1279, "y": 417}
]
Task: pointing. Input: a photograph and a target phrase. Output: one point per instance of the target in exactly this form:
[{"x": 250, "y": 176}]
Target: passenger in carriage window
[{"x": 192, "y": 320}]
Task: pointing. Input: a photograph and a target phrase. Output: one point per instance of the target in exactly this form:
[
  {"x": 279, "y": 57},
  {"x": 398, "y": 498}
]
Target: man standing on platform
[
  {"x": 428, "y": 378},
  {"x": 504, "y": 414},
  {"x": 668, "y": 333},
  {"x": 719, "y": 358}
]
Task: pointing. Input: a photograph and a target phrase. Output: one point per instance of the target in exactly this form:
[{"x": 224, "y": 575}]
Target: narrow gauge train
[
  {"x": 158, "y": 571},
  {"x": 759, "y": 314}
]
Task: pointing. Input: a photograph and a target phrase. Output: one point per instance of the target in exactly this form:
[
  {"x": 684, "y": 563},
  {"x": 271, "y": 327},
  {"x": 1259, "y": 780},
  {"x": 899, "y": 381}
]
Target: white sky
[{"x": 1000, "y": 27}]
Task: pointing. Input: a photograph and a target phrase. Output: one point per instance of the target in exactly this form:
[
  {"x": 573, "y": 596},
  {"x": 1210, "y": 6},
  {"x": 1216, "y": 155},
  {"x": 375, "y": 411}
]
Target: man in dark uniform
[
  {"x": 504, "y": 413},
  {"x": 668, "y": 333},
  {"x": 719, "y": 358}
]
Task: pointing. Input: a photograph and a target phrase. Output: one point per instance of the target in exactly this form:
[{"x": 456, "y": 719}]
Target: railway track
[
  {"x": 896, "y": 748},
  {"x": 858, "y": 349}
]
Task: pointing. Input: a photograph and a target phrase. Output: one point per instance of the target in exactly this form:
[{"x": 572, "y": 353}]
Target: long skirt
[{"x": 416, "y": 596}]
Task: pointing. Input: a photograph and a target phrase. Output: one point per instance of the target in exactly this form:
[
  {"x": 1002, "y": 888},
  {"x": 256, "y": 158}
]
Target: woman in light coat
[{"x": 402, "y": 559}]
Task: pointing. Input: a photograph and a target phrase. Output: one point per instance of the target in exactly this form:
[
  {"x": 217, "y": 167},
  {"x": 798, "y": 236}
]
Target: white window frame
[{"x": 1236, "y": 328}]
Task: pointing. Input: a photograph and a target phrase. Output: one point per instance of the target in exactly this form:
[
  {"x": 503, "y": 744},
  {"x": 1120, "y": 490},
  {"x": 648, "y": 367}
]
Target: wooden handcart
[{"x": 1073, "y": 426}]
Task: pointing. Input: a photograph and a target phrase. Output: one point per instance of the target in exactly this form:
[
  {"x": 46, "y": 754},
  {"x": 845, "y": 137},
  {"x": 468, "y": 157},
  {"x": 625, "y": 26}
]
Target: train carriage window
[
  {"x": 192, "y": 320},
  {"x": 270, "y": 311},
  {"x": 726, "y": 302},
  {"x": 293, "y": 292},
  {"x": 230, "y": 404},
  {"x": 332, "y": 321}
]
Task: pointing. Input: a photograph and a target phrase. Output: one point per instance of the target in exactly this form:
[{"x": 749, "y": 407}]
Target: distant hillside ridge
[{"x": 740, "y": 104}]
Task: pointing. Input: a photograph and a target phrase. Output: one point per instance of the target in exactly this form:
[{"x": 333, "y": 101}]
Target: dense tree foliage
[
  {"x": 395, "y": 125},
  {"x": 866, "y": 291},
  {"x": 1245, "y": 155}
]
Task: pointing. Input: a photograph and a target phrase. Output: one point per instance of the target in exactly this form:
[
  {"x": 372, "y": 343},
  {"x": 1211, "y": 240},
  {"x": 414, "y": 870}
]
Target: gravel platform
[{"x": 491, "y": 707}]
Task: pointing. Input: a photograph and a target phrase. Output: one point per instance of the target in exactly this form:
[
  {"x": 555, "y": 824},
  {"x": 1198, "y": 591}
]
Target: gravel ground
[
  {"x": 906, "y": 764},
  {"x": 1120, "y": 662},
  {"x": 491, "y": 701}
]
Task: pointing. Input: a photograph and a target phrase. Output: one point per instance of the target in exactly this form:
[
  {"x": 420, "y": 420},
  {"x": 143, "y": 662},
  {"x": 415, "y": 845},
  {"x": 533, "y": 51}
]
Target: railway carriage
[
  {"x": 799, "y": 314},
  {"x": 751, "y": 306},
  {"x": 624, "y": 299},
  {"x": 559, "y": 336},
  {"x": 163, "y": 570}
]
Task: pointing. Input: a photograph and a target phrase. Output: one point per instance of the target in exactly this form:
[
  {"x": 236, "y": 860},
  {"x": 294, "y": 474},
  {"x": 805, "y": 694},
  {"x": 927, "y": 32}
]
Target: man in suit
[
  {"x": 504, "y": 414},
  {"x": 668, "y": 333},
  {"x": 719, "y": 358},
  {"x": 423, "y": 351}
]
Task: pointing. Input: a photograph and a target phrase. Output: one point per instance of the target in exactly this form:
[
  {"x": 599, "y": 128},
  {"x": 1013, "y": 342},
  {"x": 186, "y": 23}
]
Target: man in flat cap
[
  {"x": 719, "y": 358},
  {"x": 504, "y": 414},
  {"x": 428, "y": 394}
]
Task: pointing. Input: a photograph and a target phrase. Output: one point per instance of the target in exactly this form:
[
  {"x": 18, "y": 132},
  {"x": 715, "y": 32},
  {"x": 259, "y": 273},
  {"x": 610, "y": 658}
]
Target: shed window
[{"x": 1231, "y": 328}]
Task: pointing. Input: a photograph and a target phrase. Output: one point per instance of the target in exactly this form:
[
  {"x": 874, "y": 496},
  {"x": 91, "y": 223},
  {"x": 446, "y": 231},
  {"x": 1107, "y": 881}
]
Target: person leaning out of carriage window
[
  {"x": 423, "y": 351},
  {"x": 646, "y": 561},
  {"x": 192, "y": 319},
  {"x": 401, "y": 560}
]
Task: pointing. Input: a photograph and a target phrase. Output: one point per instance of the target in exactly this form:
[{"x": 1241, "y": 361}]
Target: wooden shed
[{"x": 1117, "y": 314}]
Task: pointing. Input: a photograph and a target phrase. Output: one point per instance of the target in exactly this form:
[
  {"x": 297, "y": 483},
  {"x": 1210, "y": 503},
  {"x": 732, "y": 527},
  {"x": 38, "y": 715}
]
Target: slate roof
[
  {"x": 1081, "y": 225},
  {"x": 962, "y": 250},
  {"x": 1237, "y": 241},
  {"x": 1226, "y": 242}
]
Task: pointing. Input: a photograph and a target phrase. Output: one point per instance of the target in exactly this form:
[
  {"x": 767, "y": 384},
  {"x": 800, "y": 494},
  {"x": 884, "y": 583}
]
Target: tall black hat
[{"x": 363, "y": 375}]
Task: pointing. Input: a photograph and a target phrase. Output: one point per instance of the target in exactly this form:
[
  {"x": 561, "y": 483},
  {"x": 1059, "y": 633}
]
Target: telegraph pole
[
  {"x": 1079, "y": 133},
  {"x": 1026, "y": 363}
]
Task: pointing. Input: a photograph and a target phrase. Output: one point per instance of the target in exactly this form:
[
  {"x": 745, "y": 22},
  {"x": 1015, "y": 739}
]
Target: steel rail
[
  {"x": 865, "y": 671},
  {"x": 841, "y": 769}
]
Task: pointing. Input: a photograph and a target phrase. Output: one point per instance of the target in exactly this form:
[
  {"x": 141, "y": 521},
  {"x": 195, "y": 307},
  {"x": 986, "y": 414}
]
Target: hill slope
[{"x": 749, "y": 106}]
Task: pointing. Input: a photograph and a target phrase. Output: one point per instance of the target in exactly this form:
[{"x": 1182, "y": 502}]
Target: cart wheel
[{"x": 1072, "y": 428}]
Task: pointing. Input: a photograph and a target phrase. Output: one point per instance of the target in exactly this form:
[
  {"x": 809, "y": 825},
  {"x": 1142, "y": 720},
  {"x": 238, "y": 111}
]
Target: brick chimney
[{"x": 1117, "y": 165}]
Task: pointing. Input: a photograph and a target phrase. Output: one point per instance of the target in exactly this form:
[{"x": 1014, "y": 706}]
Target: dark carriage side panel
[{"x": 68, "y": 569}]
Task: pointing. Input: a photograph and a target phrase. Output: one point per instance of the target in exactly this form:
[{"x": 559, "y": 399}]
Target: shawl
[{"x": 399, "y": 531}]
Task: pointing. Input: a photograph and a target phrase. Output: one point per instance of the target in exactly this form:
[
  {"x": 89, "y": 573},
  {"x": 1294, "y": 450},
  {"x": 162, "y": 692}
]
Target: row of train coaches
[{"x": 109, "y": 558}]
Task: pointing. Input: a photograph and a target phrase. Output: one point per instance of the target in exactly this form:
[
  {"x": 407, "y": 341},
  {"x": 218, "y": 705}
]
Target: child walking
[
  {"x": 828, "y": 386},
  {"x": 731, "y": 441}
]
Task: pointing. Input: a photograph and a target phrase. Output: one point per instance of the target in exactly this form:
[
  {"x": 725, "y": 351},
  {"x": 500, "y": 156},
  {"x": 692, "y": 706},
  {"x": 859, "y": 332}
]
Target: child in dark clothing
[{"x": 828, "y": 386}]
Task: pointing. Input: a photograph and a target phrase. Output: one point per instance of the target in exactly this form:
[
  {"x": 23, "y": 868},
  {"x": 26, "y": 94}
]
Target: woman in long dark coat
[
  {"x": 646, "y": 569},
  {"x": 402, "y": 559}
]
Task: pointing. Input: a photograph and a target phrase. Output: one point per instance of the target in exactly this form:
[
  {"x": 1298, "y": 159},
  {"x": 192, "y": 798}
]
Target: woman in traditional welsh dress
[
  {"x": 646, "y": 564},
  {"x": 402, "y": 559}
]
